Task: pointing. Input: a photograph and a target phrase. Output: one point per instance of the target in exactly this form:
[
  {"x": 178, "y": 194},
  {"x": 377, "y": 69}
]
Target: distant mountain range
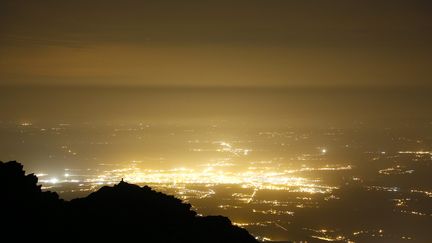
[{"x": 121, "y": 213}]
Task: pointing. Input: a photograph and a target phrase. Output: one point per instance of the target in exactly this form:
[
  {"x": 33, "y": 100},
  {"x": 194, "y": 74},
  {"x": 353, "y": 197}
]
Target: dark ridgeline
[{"x": 122, "y": 213}]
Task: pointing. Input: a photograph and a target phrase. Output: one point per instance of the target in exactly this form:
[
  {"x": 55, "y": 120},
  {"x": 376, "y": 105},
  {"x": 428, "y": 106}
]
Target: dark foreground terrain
[{"x": 122, "y": 213}]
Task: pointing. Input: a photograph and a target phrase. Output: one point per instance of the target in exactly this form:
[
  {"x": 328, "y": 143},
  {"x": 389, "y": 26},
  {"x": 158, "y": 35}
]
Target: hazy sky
[{"x": 211, "y": 43}]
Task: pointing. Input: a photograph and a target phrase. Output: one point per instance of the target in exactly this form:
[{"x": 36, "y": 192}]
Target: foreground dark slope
[{"x": 122, "y": 213}]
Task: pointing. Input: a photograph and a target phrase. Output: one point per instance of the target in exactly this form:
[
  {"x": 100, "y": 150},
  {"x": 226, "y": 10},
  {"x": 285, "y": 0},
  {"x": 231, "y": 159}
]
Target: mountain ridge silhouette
[{"x": 120, "y": 213}]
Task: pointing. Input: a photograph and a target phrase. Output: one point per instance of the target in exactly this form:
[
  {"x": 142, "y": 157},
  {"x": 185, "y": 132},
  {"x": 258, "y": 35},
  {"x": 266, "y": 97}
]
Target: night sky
[
  {"x": 300, "y": 120},
  {"x": 216, "y": 43}
]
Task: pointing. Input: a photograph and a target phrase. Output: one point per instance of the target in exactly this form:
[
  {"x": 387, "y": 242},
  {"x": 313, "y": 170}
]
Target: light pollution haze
[
  {"x": 300, "y": 120},
  {"x": 216, "y": 43}
]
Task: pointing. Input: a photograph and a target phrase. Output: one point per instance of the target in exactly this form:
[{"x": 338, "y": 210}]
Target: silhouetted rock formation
[{"x": 122, "y": 213}]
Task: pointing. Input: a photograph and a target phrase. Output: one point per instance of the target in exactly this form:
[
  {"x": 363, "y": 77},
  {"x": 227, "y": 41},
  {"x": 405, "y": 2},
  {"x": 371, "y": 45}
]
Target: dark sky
[{"x": 212, "y": 43}]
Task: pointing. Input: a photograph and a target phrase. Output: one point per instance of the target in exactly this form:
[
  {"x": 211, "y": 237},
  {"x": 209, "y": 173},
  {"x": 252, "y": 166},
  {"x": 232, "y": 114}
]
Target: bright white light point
[
  {"x": 53, "y": 180},
  {"x": 225, "y": 144},
  {"x": 66, "y": 175},
  {"x": 323, "y": 151}
]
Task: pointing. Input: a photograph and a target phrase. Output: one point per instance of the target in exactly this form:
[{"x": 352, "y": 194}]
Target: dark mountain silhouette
[{"x": 122, "y": 213}]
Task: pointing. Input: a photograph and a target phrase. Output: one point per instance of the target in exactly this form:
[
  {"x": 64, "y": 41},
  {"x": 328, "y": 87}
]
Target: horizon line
[{"x": 234, "y": 87}]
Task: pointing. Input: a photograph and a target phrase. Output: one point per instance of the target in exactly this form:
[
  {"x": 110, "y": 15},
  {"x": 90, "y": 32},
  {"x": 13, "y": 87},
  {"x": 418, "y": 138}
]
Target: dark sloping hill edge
[{"x": 121, "y": 213}]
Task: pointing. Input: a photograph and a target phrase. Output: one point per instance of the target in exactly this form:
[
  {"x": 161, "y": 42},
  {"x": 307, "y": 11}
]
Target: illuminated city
[
  {"x": 214, "y": 121},
  {"x": 267, "y": 193}
]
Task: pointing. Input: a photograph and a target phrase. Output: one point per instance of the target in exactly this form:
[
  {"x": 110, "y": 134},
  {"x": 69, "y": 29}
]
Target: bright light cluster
[{"x": 258, "y": 179}]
